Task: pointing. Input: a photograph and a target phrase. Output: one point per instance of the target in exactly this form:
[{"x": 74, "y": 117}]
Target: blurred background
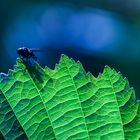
[{"x": 96, "y": 32}]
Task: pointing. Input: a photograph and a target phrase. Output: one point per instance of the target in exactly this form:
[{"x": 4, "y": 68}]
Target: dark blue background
[{"x": 97, "y": 33}]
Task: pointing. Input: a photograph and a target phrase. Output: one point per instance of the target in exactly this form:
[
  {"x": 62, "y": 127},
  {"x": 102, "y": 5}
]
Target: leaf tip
[
  {"x": 3, "y": 75},
  {"x": 63, "y": 56},
  {"x": 107, "y": 67},
  {"x": 20, "y": 63},
  {"x": 105, "y": 70},
  {"x": 10, "y": 72}
]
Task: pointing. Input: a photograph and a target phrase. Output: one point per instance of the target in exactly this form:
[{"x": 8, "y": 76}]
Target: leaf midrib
[
  {"x": 42, "y": 102},
  {"x": 117, "y": 105},
  {"x": 78, "y": 99}
]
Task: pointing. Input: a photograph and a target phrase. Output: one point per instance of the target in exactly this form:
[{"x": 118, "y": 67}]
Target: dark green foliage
[{"x": 67, "y": 103}]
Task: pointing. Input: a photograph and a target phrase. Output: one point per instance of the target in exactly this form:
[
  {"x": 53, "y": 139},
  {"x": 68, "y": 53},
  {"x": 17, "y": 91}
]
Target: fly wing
[{"x": 37, "y": 50}]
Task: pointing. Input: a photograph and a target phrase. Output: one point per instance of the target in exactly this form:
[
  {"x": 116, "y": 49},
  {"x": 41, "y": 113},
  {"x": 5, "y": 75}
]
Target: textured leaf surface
[
  {"x": 67, "y": 103},
  {"x": 9, "y": 125},
  {"x": 24, "y": 98}
]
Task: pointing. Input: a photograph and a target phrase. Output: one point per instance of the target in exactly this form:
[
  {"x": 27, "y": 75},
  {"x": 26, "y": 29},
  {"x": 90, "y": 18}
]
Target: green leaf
[
  {"x": 9, "y": 125},
  {"x": 67, "y": 103},
  {"x": 23, "y": 95}
]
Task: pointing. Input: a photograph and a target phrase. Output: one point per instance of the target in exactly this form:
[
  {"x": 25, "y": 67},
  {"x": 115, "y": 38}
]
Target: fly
[{"x": 26, "y": 53}]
